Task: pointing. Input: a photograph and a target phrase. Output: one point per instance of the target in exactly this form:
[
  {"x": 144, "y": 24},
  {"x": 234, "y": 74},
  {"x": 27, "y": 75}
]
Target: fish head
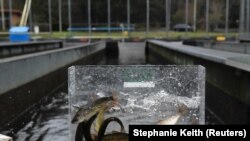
[{"x": 80, "y": 115}]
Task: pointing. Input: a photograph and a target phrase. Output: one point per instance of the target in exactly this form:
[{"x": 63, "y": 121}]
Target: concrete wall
[
  {"x": 17, "y": 71},
  {"x": 227, "y": 87},
  {"x": 14, "y": 49},
  {"x": 24, "y": 80},
  {"x": 232, "y": 46}
]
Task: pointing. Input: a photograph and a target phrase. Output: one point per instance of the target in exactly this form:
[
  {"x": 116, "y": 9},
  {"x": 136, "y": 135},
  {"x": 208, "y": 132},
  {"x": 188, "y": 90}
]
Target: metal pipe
[
  {"x": 195, "y": 15},
  {"x": 30, "y": 19},
  {"x": 27, "y": 12},
  {"x": 186, "y": 17},
  {"x": 24, "y": 13},
  {"x": 89, "y": 20},
  {"x": 166, "y": 14},
  {"x": 242, "y": 17},
  {"x": 247, "y": 16},
  {"x": 169, "y": 14},
  {"x": 10, "y": 13},
  {"x": 148, "y": 17},
  {"x": 60, "y": 14},
  {"x": 227, "y": 17},
  {"x": 50, "y": 17},
  {"x": 109, "y": 18},
  {"x": 69, "y": 14},
  {"x": 2, "y": 14},
  {"x": 128, "y": 17},
  {"x": 207, "y": 17}
]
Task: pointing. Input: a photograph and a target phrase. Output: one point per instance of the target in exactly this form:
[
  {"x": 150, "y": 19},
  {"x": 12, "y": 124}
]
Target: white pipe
[{"x": 25, "y": 13}]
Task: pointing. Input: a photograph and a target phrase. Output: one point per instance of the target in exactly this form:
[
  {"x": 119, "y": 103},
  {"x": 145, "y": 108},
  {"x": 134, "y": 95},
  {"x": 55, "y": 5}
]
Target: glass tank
[{"x": 145, "y": 95}]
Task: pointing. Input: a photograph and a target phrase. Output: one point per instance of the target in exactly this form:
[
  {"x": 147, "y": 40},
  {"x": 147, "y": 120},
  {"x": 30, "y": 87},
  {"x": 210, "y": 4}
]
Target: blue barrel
[{"x": 19, "y": 34}]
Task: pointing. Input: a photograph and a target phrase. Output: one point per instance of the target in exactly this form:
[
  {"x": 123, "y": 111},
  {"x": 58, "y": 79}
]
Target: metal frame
[
  {"x": 69, "y": 14},
  {"x": 50, "y": 16},
  {"x": 60, "y": 14},
  {"x": 186, "y": 19},
  {"x": 109, "y": 17},
  {"x": 89, "y": 20},
  {"x": 10, "y": 15},
  {"x": 128, "y": 16},
  {"x": 245, "y": 15},
  {"x": 2, "y": 15},
  {"x": 148, "y": 18},
  {"x": 207, "y": 17}
]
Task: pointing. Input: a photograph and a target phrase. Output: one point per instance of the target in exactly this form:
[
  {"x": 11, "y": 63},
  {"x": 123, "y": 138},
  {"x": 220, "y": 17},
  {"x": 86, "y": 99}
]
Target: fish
[
  {"x": 113, "y": 97},
  {"x": 182, "y": 111},
  {"x": 103, "y": 99},
  {"x": 100, "y": 116},
  {"x": 84, "y": 113}
]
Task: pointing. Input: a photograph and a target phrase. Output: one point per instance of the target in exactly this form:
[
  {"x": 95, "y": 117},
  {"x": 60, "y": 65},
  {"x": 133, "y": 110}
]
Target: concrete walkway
[{"x": 237, "y": 60}]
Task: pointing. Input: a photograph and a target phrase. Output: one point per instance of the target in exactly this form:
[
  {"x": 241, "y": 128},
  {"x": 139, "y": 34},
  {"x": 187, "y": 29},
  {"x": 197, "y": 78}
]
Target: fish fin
[{"x": 115, "y": 96}]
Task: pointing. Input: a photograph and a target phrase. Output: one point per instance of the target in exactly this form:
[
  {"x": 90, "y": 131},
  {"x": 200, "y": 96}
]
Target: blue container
[{"x": 19, "y": 34}]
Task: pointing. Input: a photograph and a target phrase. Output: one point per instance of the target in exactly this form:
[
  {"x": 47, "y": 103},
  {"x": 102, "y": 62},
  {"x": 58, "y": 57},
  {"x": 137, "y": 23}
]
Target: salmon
[
  {"x": 101, "y": 104},
  {"x": 182, "y": 111}
]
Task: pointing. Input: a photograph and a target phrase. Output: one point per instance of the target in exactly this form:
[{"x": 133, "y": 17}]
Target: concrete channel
[
  {"x": 25, "y": 79},
  {"x": 227, "y": 76},
  {"x": 48, "y": 118}
]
